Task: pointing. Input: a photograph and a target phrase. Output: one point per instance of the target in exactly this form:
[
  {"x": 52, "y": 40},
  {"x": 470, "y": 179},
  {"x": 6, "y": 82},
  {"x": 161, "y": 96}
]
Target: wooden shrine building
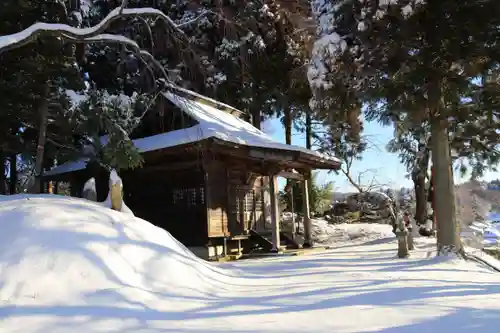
[{"x": 209, "y": 176}]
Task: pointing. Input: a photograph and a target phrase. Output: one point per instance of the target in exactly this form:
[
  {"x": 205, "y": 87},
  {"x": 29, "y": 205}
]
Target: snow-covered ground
[
  {"x": 483, "y": 234},
  {"x": 333, "y": 234},
  {"x": 68, "y": 265}
]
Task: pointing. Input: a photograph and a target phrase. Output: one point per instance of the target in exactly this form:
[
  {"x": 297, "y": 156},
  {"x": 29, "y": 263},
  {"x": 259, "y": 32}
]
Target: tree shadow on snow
[
  {"x": 71, "y": 238},
  {"x": 330, "y": 263},
  {"x": 374, "y": 294},
  {"x": 458, "y": 320},
  {"x": 282, "y": 296}
]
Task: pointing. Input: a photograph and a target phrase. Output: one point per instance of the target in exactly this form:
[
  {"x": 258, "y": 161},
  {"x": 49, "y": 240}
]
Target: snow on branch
[{"x": 85, "y": 35}]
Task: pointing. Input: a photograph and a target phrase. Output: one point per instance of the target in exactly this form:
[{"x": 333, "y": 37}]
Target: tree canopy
[
  {"x": 84, "y": 83},
  {"x": 414, "y": 62}
]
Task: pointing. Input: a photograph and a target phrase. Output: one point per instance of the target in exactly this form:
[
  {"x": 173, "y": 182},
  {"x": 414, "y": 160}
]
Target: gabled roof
[
  {"x": 212, "y": 123},
  {"x": 189, "y": 94}
]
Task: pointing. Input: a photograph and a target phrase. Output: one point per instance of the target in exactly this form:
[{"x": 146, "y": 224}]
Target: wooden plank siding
[
  {"x": 215, "y": 189},
  {"x": 234, "y": 199}
]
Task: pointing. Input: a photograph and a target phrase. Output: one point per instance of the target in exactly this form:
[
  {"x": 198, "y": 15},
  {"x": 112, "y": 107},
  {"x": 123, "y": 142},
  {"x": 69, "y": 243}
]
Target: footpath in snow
[{"x": 68, "y": 265}]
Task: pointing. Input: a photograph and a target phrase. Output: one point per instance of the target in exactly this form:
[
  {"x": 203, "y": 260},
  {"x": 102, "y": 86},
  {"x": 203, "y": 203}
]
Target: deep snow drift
[
  {"x": 78, "y": 245},
  {"x": 69, "y": 265}
]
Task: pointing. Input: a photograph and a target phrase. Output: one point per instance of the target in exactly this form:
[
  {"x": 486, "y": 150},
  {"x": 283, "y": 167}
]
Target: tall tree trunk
[
  {"x": 309, "y": 146},
  {"x": 308, "y": 129},
  {"x": 3, "y": 189},
  {"x": 418, "y": 177},
  {"x": 13, "y": 174},
  {"x": 448, "y": 239},
  {"x": 287, "y": 121},
  {"x": 43, "y": 112},
  {"x": 256, "y": 121},
  {"x": 420, "y": 198}
]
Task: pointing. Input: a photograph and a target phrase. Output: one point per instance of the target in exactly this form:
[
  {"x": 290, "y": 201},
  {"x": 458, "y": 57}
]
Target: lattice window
[
  {"x": 236, "y": 197},
  {"x": 177, "y": 196},
  {"x": 202, "y": 195},
  {"x": 189, "y": 197},
  {"x": 249, "y": 201},
  {"x": 259, "y": 201},
  {"x": 192, "y": 199}
]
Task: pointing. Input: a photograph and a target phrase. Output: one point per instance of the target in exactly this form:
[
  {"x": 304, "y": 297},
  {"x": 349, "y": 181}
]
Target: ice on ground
[{"x": 71, "y": 265}]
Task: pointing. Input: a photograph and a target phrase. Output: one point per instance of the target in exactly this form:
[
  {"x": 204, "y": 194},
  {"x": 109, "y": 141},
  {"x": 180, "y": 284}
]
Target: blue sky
[{"x": 386, "y": 166}]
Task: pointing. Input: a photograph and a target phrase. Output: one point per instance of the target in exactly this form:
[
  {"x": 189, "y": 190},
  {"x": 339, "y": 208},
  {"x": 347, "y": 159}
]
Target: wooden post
[
  {"x": 266, "y": 201},
  {"x": 307, "y": 214},
  {"x": 411, "y": 244},
  {"x": 402, "y": 236},
  {"x": 275, "y": 222},
  {"x": 409, "y": 225},
  {"x": 431, "y": 197},
  {"x": 294, "y": 231}
]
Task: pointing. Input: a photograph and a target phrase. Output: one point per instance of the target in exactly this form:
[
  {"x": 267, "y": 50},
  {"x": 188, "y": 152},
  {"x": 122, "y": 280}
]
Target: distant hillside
[{"x": 475, "y": 199}]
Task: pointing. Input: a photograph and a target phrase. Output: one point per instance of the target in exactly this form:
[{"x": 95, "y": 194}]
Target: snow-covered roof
[{"x": 212, "y": 123}]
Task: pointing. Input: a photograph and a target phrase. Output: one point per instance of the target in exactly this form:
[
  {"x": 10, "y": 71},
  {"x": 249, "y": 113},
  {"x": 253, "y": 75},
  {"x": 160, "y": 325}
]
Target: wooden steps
[{"x": 264, "y": 239}]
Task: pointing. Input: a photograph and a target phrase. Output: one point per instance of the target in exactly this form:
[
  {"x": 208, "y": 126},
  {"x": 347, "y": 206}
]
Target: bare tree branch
[
  {"x": 94, "y": 33},
  {"x": 123, "y": 6}
]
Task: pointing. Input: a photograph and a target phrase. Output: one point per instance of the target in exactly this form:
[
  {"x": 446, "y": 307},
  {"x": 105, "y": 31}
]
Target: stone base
[
  {"x": 307, "y": 245},
  {"x": 212, "y": 252}
]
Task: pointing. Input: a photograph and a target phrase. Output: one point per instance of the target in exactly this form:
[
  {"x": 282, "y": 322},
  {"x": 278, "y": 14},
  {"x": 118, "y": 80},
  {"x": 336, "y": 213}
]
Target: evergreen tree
[
  {"x": 416, "y": 62},
  {"x": 49, "y": 111},
  {"x": 32, "y": 77},
  {"x": 238, "y": 52},
  {"x": 241, "y": 53}
]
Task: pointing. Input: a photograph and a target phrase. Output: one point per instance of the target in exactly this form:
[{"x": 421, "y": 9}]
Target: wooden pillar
[
  {"x": 73, "y": 188},
  {"x": 307, "y": 213},
  {"x": 266, "y": 202},
  {"x": 275, "y": 221},
  {"x": 294, "y": 229},
  {"x": 76, "y": 186}
]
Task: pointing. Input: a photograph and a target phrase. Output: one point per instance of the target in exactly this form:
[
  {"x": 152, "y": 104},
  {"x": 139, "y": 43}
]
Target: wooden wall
[
  {"x": 172, "y": 200},
  {"x": 216, "y": 188},
  {"x": 234, "y": 198}
]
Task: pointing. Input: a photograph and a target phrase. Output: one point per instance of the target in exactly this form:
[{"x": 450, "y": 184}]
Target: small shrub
[
  {"x": 493, "y": 252},
  {"x": 352, "y": 216}
]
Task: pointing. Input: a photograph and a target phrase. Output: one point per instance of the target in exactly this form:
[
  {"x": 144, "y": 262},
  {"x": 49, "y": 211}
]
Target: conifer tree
[{"x": 416, "y": 62}]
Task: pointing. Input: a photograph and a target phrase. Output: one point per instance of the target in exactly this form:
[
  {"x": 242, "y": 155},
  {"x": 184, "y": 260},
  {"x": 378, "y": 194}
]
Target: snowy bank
[
  {"x": 337, "y": 234},
  {"x": 74, "y": 246},
  {"x": 71, "y": 265}
]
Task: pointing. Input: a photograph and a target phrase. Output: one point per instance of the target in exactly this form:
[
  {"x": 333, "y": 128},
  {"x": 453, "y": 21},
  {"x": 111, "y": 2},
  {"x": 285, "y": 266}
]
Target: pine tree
[
  {"x": 33, "y": 76},
  {"x": 414, "y": 61},
  {"x": 45, "y": 76},
  {"x": 241, "y": 53}
]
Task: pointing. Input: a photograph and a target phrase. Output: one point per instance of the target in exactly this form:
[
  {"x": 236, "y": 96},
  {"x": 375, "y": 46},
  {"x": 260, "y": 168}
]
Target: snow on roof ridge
[
  {"x": 212, "y": 123},
  {"x": 214, "y": 120},
  {"x": 202, "y": 97}
]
